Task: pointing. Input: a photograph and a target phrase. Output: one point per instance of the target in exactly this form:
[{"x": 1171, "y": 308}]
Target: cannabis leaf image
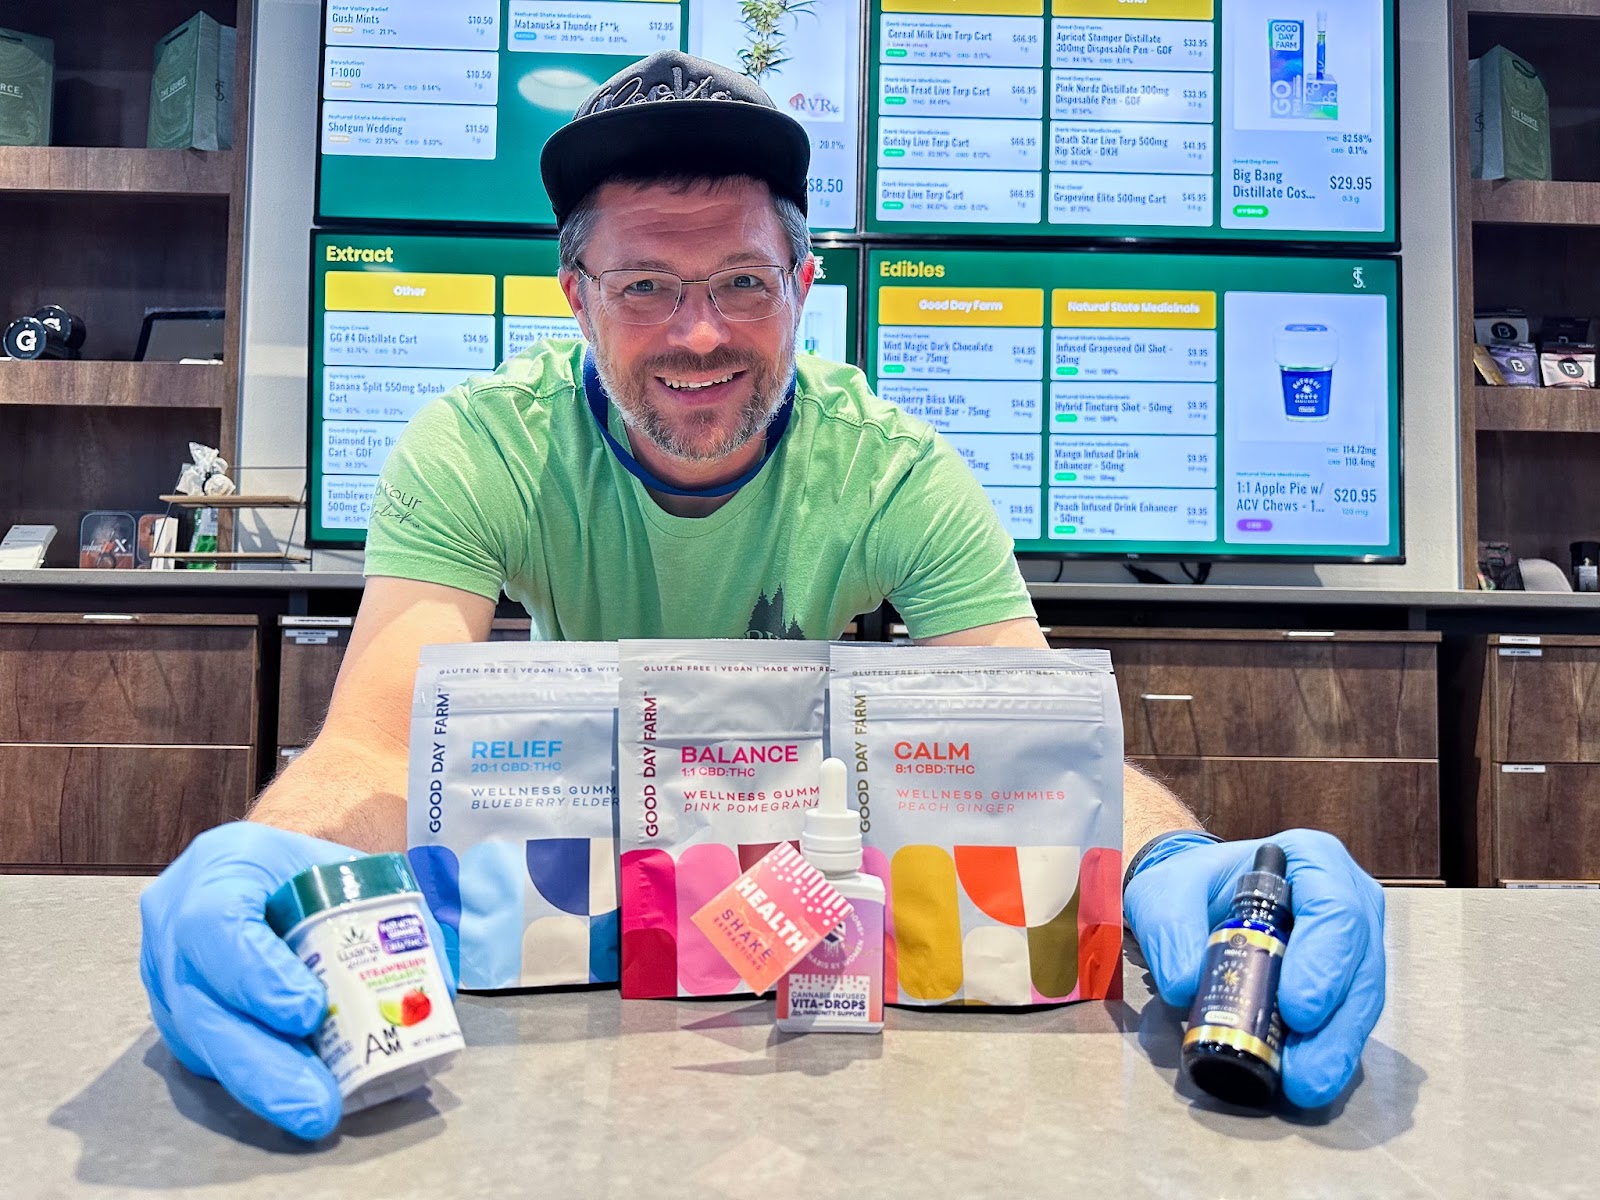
[{"x": 762, "y": 21}]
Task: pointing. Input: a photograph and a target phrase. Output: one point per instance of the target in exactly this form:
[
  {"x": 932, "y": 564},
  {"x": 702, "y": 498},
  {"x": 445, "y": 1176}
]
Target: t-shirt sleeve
[
  {"x": 943, "y": 559},
  {"x": 446, "y": 509}
]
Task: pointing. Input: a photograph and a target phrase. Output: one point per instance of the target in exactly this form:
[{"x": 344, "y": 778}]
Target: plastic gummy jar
[{"x": 359, "y": 926}]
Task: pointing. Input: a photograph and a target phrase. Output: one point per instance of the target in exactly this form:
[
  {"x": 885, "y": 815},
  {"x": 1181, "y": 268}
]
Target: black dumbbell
[
  {"x": 69, "y": 327},
  {"x": 29, "y": 337}
]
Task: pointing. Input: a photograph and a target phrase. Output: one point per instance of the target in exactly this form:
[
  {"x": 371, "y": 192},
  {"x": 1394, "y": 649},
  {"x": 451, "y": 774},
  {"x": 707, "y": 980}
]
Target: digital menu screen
[
  {"x": 1239, "y": 119},
  {"x": 438, "y": 112},
  {"x": 396, "y": 321},
  {"x": 1188, "y": 407}
]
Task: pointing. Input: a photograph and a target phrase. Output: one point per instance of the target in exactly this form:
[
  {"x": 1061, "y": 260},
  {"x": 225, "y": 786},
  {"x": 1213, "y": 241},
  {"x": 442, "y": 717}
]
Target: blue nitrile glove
[
  {"x": 230, "y": 999},
  {"x": 1332, "y": 986}
]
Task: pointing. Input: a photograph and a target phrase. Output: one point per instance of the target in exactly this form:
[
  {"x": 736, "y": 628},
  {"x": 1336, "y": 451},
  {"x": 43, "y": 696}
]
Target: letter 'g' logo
[{"x": 27, "y": 341}]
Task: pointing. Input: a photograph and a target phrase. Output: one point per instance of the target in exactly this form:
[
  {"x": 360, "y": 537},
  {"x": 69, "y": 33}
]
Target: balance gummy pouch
[
  {"x": 719, "y": 754},
  {"x": 989, "y": 782},
  {"x": 511, "y": 807}
]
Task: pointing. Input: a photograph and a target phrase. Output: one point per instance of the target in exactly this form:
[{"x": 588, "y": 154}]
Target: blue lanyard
[{"x": 595, "y": 391}]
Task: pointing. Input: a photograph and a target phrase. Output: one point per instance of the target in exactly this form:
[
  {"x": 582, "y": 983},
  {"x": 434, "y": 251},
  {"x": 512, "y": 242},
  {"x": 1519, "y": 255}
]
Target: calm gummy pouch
[
  {"x": 511, "y": 806},
  {"x": 989, "y": 782},
  {"x": 719, "y": 754}
]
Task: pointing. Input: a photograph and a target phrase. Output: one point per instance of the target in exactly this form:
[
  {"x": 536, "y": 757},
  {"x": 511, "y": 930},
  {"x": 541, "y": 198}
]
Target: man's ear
[
  {"x": 805, "y": 277},
  {"x": 572, "y": 286}
]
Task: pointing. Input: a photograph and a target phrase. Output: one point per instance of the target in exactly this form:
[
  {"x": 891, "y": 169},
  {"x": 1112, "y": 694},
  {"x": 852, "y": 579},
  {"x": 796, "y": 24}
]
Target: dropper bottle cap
[
  {"x": 831, "y": 836},
  {"x": 1267, "y": 878}
]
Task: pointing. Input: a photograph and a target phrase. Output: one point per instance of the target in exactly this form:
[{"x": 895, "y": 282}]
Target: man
[{"x": 658, "y": 484}]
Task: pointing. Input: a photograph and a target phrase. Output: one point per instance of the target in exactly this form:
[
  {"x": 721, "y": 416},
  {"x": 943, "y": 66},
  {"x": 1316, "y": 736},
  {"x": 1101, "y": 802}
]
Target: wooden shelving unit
[
  {"x": 1535, "y": 202},
  {"x": 108, "y": 229},
  {"x": 236, "y": 500},
  {"x": 231, "y": 504},
  {"x": 1534, "y": 245},
  {"x": 99, "y": 383},
  {"x": 1538, "y": 410},
  {"x": 116, "y": 170}
]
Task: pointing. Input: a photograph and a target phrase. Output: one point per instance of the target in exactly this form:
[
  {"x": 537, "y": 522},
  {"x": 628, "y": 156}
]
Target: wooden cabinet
[
  {"x": 309, "y": 658},
  {"x": 1265, "y": 730},
  {"x": 116, "y": 806},
  {"x": 1532, "y": 776},
  {"x": 1385, "y": 812},
  {"x": 122, "y": 735}
]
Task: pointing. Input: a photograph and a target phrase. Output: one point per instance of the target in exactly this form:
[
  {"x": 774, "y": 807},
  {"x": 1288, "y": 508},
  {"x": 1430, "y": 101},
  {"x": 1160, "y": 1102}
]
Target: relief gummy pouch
[
  {"x": 719, "y": 754},
  {"x": 511, "y": 809},
  {"x": 989, "y": 782}
]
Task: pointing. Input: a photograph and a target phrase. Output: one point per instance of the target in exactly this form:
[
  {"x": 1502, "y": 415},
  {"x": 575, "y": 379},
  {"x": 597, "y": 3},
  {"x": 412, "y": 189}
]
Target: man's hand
[
  {"x": 231, "y": 1000},
  {"x": 1331, "y": 990}
]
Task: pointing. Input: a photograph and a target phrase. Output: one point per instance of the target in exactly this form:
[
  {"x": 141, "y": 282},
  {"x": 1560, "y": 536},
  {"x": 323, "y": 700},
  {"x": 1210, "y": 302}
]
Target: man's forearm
[
  {"x": 1148, "y": 810},
  {"x": 342, "y": 791}
]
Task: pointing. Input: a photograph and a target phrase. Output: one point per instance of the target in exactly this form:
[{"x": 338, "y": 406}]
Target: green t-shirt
[{"x": 505, "y": 483}]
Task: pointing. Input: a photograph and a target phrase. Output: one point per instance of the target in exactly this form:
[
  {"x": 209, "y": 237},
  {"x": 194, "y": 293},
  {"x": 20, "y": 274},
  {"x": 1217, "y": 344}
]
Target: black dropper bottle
[{"x": 1233, "y": 1048}]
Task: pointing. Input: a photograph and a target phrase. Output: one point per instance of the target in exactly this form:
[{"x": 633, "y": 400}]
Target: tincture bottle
[
  {"x": 1234, "y": 1046},
  {"x": 838, "y": 987}
]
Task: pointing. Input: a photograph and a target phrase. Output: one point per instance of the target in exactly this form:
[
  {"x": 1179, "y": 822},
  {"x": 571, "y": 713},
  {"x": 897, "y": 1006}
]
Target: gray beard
[{"x": 685, "y": 440}]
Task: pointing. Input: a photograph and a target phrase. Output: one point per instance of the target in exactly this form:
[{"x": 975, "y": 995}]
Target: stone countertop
[
  {"x": 257, "y": 579},
  {"x": 1482, "y": 1080}
]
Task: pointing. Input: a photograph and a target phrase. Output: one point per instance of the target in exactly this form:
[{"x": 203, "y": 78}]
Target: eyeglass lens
[{"x": 651, "y": 297}]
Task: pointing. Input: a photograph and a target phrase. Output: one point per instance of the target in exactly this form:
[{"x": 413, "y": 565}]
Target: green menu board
[
  {"x": 438, "y": 112},
  {"x": 397, "y": 320},
  {"x": 1238, "y": 119},
  {"x": 1174, "y": 406}
]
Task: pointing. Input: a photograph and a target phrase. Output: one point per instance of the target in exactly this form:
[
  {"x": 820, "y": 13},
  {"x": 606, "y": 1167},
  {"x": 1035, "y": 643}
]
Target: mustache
[{"x": 723, "y": 358}]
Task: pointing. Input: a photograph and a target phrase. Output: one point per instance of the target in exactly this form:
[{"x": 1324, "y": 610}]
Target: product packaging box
[
  {"x": 106, "y": 540},
  {"x": 1504, "y": 325},
  {"x": 1513, "y": 112},
  {"x": 24, "y": 546},
  {"x": 1569, "y": 366},
  {"x": 191, "y": 89},
  {"x": 27, "y": 88},
  {"x": 1518, "y": 363},
  {"x": 1299, "y": 84},
  {"x": 1475, "y": 117},
  {"x": 158, "y": 534},
  {"x": 1566, "y": 331}
]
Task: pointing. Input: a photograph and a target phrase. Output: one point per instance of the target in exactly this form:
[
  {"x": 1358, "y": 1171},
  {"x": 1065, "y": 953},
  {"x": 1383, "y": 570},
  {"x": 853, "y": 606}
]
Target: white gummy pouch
[
  {"x": 719, "y": 752},
  {"x": 989, "y": 782},
  {"x": 511, "y": 809}
]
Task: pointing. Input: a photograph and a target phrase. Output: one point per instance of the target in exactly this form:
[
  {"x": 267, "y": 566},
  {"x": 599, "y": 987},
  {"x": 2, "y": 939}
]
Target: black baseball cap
[{"x": 674, "y": 112}]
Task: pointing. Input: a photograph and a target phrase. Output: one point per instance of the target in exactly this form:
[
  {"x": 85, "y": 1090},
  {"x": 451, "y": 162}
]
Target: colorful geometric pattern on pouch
[
  {"x": 664, "y": 953},
  {"x": 439, "y": 875},
  {"x": 525, "y": 914},
  {"x": 1002, "y": 925}
]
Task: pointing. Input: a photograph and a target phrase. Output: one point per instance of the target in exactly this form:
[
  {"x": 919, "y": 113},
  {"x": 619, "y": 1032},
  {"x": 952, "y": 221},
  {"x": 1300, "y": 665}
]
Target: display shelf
[
  {"x": 110, "y": 229},
  {"x": 232, "y": 556},
  {"x": 105, "y": 384},
  {"x": 1531, "y": 8},
  {"x": 1538, "y": 410},
  {"x": 1535, "y": 202},
  {"x": 115, "y": 170},
  {"x": 1527, "y": 244},
  {"x": 236, "y": 500}
]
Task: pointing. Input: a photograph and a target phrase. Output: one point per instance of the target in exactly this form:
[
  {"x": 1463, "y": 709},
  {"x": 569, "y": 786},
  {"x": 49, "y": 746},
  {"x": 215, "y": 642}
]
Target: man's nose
[{"x": 697, "y": 326}]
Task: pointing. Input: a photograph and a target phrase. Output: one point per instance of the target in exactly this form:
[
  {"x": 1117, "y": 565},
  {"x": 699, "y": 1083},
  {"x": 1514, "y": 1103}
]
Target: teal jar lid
[{"x": 331, "y": 885}]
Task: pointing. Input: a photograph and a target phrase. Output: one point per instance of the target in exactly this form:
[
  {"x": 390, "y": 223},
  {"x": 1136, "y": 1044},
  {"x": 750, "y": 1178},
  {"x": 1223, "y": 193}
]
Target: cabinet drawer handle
[
  {"x": 108, "y": 616},
  {"x": 1160, "y": 696}
]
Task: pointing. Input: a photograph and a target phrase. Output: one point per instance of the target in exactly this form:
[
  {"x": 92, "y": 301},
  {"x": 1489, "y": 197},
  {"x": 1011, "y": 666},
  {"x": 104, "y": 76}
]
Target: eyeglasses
[{"x": 639, "y": 297}]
